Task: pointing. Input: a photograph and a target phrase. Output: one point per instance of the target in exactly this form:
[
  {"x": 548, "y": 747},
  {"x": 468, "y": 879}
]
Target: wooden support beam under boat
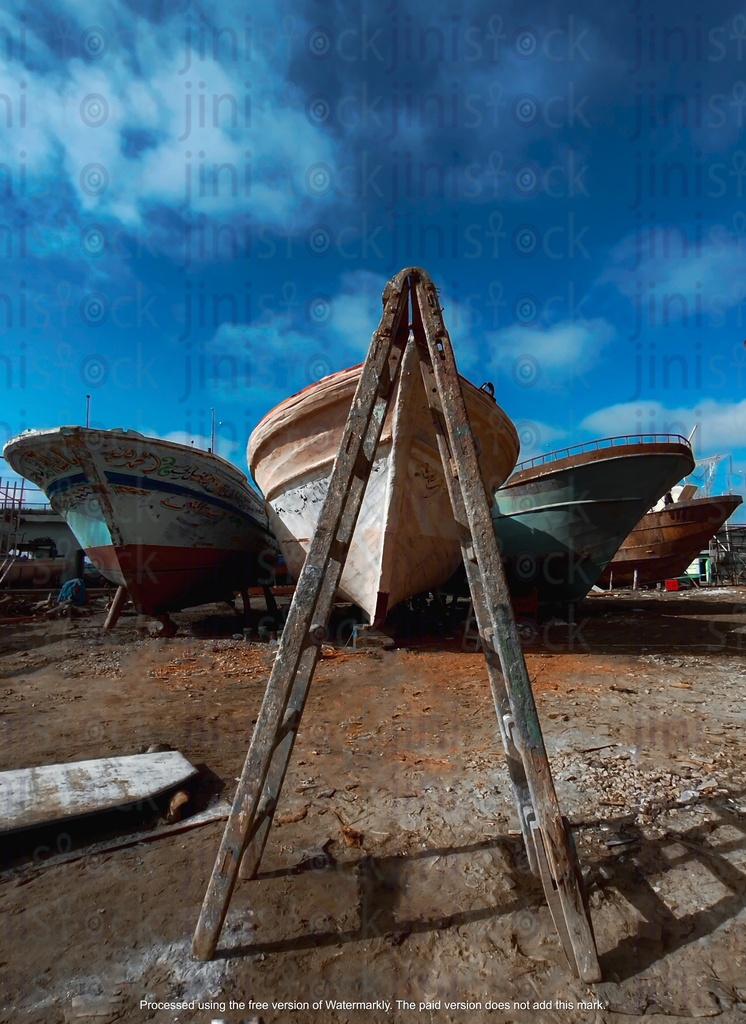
[
  {"x": 271, "y": 604},
  {"x": 116, "y": 608}
]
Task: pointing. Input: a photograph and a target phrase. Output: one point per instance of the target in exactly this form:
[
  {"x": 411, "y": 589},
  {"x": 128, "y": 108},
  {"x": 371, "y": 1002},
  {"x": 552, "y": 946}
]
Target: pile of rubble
[
  {"x": 21, "y": 607},
  {"x": 617, "y": 781}
]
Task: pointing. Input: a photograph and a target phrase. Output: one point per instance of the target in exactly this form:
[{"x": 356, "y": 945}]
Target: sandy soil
[{"x": 394, "y": 870}]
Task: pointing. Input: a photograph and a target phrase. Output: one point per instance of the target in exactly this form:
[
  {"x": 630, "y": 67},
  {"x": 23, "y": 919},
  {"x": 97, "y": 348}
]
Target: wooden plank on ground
[{"x": 40, "y": 796}]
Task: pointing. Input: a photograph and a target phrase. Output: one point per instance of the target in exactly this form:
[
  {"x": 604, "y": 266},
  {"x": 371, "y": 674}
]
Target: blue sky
[{"x": 201, "y": 207}]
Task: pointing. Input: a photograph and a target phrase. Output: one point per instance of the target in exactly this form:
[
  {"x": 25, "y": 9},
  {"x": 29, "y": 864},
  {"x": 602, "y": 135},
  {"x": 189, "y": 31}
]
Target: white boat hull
[
  {"x": 405, "y": 540},
  {"x": 176, "y": 525}
]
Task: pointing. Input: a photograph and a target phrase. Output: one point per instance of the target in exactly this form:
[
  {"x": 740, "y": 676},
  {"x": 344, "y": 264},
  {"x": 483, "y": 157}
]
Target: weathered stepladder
[{"x": 411, "y": 314}]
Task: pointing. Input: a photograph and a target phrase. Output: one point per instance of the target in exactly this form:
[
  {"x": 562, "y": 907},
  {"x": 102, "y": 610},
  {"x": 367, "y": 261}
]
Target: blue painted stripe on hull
[
  {"x": 164, "y": 486},
  {"x": 147, "y": 483},
  {"x": 68, "y": 481}
]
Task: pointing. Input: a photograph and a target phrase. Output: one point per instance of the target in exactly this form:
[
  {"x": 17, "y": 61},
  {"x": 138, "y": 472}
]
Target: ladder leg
[
  {"x": 280, "y": 756},
  {"x": 544, "y": 829},
  {"x": 500, "y": 698},
  {"x": 279, "y": 717}
]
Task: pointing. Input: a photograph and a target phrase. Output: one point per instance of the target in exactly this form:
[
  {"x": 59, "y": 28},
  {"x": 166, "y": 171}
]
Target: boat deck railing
[{"x": 602, "y": 442}]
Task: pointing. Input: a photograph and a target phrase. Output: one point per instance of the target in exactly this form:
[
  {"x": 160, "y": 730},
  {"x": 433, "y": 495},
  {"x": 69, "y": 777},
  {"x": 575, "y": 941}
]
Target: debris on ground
[{"x": 395, "y": 868}]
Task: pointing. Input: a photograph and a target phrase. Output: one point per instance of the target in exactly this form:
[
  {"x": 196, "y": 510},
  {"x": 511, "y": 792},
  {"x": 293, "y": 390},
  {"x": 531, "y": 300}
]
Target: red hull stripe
[{"x": 161, "y": 579}]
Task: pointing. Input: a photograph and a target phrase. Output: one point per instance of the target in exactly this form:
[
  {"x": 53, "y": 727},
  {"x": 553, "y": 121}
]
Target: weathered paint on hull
[
  {"x": 161, "y": 579},
  {"x": 560, "y": 523},
  {"x": 176, "y": 525},
  {"x": 664, "y": 543},
  {"x": 405, "y": 540}
]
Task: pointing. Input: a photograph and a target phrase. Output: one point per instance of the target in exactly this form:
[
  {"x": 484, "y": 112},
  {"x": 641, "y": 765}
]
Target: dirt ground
[{"x": 395, "y": 871}]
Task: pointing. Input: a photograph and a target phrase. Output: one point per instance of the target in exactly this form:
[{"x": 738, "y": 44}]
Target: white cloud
[
  {"x": 212, "y": 141},
  {"x": 666, "y": 261},
  {"x": 357, "y": 310},
  {"x": 190, "y": 440},
  {"x": 546, "y": 357},
  {"x": 536, "y": 437},
  {"x": 333, "y": 329},
  {"x": 249, "y": 368},
  {"x": 155, "y": 80},
  {"x": 721, "y": 426}
]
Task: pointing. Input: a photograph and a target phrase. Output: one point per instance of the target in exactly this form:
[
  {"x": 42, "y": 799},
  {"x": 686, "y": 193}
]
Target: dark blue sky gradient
[{"x": 200, "y": 209}]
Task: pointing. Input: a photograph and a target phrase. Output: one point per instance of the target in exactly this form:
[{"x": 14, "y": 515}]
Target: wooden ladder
[{"x": 411, "y": 312}]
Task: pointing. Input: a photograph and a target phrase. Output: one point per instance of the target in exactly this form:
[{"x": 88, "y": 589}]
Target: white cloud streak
[
  {"x": 721, "y": 426},
  {"x": 547, "y": 358}
]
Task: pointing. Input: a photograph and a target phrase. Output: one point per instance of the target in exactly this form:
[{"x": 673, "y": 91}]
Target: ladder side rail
[
  {"x": 321, "y": 571},
  {"x": 281, "y": 754},
  {"x": 564, "y": 888},
  {"x": 478, "y": 604},
  {"x": 500, "y": 698},
  {"x": 500, "y": 623},
  {"x": 353, "y": 496}
]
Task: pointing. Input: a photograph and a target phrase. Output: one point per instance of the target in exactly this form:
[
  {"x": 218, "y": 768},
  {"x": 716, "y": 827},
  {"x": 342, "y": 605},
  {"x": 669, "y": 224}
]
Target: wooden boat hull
[
  {"x": 175, "y": 525},
  {"x": 34, "y": 572},
  {"x": 664, "y": 543},
  {"x": 405, "y": 540},
  {"x": 561, "y": 522}
]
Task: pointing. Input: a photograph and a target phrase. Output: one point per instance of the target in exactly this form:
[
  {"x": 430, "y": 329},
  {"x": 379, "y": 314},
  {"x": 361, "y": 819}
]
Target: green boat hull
[{"x": 560, "y": 524}]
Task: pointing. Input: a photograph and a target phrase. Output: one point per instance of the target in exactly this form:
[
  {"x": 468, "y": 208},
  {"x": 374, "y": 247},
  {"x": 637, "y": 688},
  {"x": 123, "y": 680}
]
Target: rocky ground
[{"x": 395, "y": 871}]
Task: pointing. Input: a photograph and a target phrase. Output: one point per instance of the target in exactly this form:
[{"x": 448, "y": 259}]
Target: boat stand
[
  {"x": 411, "y": 313},
  {"x": 120, "y": 599}
]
